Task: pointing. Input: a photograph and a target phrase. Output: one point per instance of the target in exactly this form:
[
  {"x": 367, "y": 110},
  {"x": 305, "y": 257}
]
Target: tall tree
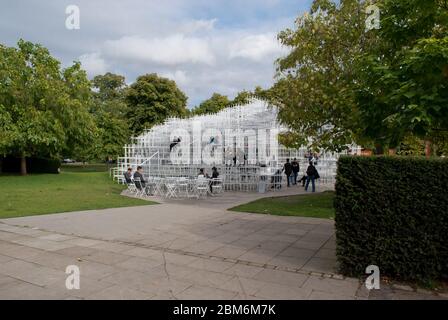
[
  {"x": 343, "y": 83},
  {"x": 109, "y": 93},
  {"x": 110, "y": 109},
  {"x": 402, "y": 86},
  {"x": 242, "y": 97},
  {"x": 313, "y": 88},
  {"x": 43, "y": 108},
  {"x": 151, "y": 99},
  {"x": 214, "y": 104}
]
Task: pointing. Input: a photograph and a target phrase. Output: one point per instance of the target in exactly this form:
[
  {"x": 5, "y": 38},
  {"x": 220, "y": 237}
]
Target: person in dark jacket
[
  {"x": 295, "y": 170},
  {"x": 312, "y": 174},
  {"x": 215, "y": 175},
  {"x": 288, "y": 171},
  {"x": 139, "y": 180},
  {"x": 128, "y": 176},
  {"x": 303, "y": 179}
]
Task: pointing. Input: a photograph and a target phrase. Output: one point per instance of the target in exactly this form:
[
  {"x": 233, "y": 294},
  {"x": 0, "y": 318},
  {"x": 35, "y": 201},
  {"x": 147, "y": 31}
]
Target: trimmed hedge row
[
  {"x": 34, "y": 165},
  {"x": 392, "y": 212}
]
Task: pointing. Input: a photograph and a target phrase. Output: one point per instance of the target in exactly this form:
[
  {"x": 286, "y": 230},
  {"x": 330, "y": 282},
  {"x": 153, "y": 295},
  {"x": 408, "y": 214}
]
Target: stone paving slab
[
  {"x": 157, "y": 274},
  {"x": 177, "y": 251}
]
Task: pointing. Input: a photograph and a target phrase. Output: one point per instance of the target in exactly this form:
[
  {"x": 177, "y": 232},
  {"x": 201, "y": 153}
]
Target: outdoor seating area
[{"x": 176, "y": 187}]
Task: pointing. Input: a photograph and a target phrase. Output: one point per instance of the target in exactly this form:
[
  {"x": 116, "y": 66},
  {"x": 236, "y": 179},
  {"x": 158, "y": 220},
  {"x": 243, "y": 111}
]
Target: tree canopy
[
  {"x": 214, "y": 104},
  {"x": 109, "y": 109},
  {"x": 343, "y": 83},
  {"x": 43, "y": 108},
  {"x": 151, "y": 99},
  {"x": 402, "y": 85}
]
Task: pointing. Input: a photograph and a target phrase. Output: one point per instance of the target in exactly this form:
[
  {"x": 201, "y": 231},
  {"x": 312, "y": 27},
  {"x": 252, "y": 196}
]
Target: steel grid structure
[{"x": 241, "y": 141}]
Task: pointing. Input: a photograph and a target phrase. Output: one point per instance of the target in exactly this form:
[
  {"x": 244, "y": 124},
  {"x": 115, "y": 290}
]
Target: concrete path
[{"x": 178, "y": 250}]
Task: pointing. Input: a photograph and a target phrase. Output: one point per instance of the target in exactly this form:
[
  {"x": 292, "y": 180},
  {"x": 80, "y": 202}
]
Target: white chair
[
  {"x": 182, "y": 187},
  {"x": 171, "y": 187},
  {"x": 131, "y": 188},
  {"x": 216, "y": 185},
  {"x": 202, "y": 187},
  {"x": 140, "y": 190},
  {"x": 158, "y": 186}
]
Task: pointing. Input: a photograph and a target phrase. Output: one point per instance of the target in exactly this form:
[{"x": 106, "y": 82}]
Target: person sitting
[
  {"x": 215, "y": 175},
  {"x": 202, "y": 174},
  {"x": 139, "y": 180},
  {"x": 303, "y": 179},
  {"x": 128, "y": 176}
]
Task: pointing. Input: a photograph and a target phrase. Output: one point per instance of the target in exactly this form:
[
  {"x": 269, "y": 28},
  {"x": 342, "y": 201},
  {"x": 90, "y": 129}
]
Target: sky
[{"x": 206, "y": 46}]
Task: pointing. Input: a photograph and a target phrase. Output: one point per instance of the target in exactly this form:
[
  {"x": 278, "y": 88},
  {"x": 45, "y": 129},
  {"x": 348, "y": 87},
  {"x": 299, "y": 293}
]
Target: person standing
[
  {"x": 288, "y": 171},
  {"x": 295, "y": 170},
  {"x": 312, "y": 174}
]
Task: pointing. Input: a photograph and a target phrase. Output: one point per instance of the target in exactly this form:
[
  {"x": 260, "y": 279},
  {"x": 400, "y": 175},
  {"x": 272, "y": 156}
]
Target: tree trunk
[
  {"x": 23, "y": 166},
  {"x": 427, "y": 148}
]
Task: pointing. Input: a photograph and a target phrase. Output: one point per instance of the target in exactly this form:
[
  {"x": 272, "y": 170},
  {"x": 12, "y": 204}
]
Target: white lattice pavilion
[{"x": 241, "y": 141}]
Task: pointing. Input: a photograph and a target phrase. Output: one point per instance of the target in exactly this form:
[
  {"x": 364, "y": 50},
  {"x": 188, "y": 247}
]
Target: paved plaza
[{"x": 186, "y": 249}]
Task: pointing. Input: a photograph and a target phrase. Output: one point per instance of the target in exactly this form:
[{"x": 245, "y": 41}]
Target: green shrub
[{"x": 392, "y": 212}]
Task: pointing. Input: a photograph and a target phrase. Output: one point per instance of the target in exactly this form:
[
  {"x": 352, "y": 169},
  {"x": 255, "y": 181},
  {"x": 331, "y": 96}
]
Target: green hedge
[{"x": 392, "y": 212}]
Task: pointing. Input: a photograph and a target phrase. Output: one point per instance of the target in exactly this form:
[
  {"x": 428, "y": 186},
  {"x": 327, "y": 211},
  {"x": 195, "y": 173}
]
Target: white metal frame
[{"x": 151, "y": 150}]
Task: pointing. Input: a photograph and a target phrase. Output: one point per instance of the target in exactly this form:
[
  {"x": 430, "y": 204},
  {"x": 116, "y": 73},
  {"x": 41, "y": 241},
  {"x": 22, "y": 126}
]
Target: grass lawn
[
  {"x": 68, "y": 191},
  {"x": 315, "y": 205}
]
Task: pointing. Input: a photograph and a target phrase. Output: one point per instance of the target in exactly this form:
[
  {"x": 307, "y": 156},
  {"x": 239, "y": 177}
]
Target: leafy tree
[
  {"x": 341, "y": 83},
  {"x": 314, "y": 83},
  {"x": 242, "y": 97},
  {"x": 403, "y": 78},
  {"x": 109, "y": 94},
  {"x": 216, "y": 103},
  {"x": 113, "y": 135},
  {"x": 109, "y": 109},
  {"x": 151, "y": 99},
  {"x": 43, "y": 108}
]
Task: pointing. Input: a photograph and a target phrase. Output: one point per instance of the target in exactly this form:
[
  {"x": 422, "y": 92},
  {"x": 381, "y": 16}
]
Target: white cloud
[
  {"x": 199, "y": 25},
  {"x": 171, "y": 50},
  {"x": 256, "y": 47},
  {"x": 220, "y": 46},
  {"x": 93, "y": 63},
  {"x": 179, "y": 76}
]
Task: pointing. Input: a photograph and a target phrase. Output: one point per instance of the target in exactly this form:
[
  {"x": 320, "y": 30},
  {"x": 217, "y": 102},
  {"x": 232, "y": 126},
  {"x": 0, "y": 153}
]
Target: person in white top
[{"x": 202, "y": 174}]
